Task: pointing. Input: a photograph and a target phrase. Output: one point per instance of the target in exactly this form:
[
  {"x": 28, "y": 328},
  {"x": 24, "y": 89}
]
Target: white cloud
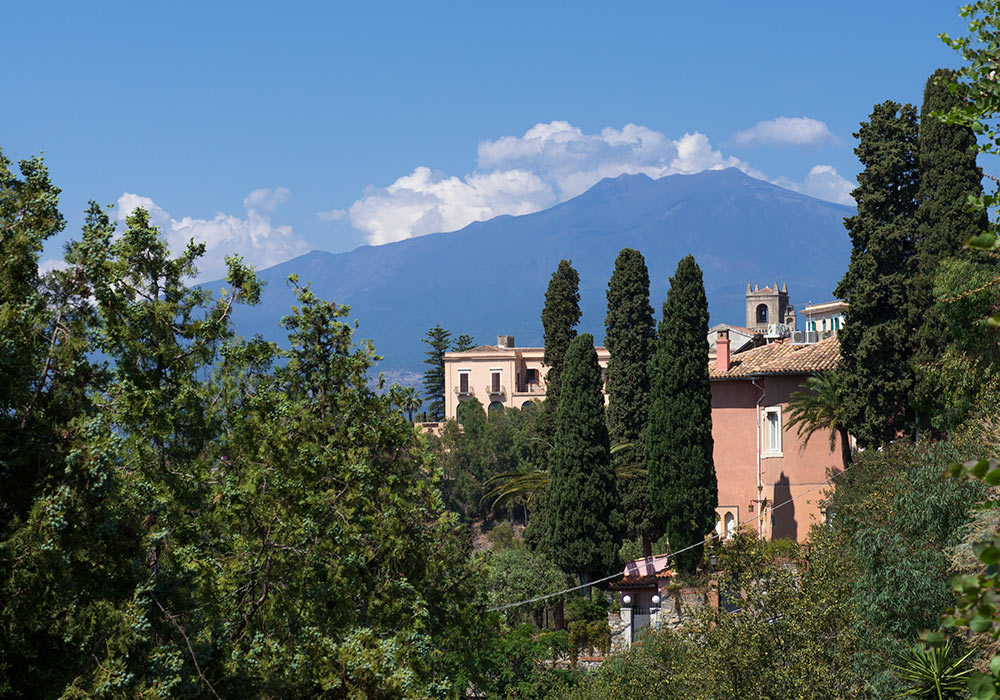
[
  {"x": 822, "y": 182},
  {"x": 259, "y": 242},
  {"x": 331, "y": 214},
  {"x": 427, "y": 202},
  {"x": 550, "y": 163},
  {"x": 50, "y": 265},
  {"x": 785, "y": 131}
]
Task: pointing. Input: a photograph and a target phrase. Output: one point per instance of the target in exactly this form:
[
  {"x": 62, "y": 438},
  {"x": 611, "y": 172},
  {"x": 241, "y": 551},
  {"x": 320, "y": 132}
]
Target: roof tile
[{"x": 781, "y": 358}]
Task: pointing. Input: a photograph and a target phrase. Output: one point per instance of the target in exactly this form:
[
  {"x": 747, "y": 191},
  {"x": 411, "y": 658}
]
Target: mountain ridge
[{"x": 489, "y": 277}]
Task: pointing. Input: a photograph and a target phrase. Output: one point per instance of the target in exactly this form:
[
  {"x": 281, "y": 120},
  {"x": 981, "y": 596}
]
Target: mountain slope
[{"x": 490, "y": 277}]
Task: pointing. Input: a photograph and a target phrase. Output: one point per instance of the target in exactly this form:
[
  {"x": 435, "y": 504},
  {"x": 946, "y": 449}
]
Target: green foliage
[
  {"x": 678, "y": 444},
  {"x": 523, "y": 665},
  {"x": 216, "y": 517},
  {"x": 819, "y": 406},
  {"x": 475, "y": 451},
  {"x": 560, "y": 315},
  {"x": 949, "y": 177},
  {"x": 875, "y": 344},
  {"x": 630, "y": 337},
  {"x": 462, "y": 343},
  {"x": 894, "y": 517},
  {"x": 786, "y": 641},
  {"x": 933, "y": 674},
  {"x": 437, "y": 339},
  {"x": 583, "y": 523},
  {"x": 516, "y": 574}
]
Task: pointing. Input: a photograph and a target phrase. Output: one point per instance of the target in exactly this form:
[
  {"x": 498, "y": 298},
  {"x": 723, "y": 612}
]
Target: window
[
  {"x": 811, "y": 326},
  {"x": 836, "y": 323},
  {"x": 495, "y": 381},
  {"x": 824, "y": 324},
  {"x": 772, "y": 431},
  {"x": 463, "y": 381},
  {"x": 531, "y": 376},
  {"x": 730, "y": 527},
  {"x": 604, "y": 378},
  {"x": 494, "y": 407}
]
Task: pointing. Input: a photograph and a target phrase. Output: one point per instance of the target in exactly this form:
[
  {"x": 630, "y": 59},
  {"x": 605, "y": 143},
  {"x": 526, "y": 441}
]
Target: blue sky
[{"x": 274, "y": 128}]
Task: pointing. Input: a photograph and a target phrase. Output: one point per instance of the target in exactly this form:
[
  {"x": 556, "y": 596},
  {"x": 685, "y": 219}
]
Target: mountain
[{"x": 489, "y": 278}]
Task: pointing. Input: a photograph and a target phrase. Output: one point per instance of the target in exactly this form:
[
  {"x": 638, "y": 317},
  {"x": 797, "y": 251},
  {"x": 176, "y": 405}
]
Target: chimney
[
  {"x": 505, "y": 341},
  {"x": 722, "y": 352}
]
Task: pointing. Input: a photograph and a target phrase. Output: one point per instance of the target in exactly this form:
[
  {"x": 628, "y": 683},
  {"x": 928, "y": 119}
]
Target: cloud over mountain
[
  {"x": 550, "y": 163},
  {"x": 261, "y": 243},
  {"x": 822, "y": 182}
]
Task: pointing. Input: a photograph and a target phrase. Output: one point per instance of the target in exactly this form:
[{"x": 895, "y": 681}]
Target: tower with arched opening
[{"x": 768, "y": 305}]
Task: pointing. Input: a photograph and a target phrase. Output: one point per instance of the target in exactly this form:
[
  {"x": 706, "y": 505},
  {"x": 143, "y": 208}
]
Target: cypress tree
[
  {"x": 438, "y": 340},
  {"x": 678, "y": 445},
  {"x": 630, "y": 336},
  {"x": 948, "y": 175},
  {"x": 876, "y": 342},
  {"x": 583, "y": 521},
  {"x": 559, "y": 319}
]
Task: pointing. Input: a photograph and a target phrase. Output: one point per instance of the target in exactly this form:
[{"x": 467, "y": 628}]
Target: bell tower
[{"x": 769, "y": 305}]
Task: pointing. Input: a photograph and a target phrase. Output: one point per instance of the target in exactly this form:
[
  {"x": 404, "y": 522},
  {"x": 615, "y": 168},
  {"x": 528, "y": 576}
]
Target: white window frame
[
  {"x": 468, "y": 382},
  {"x": 499, "y": 372},
  {"x": 771, "y": 450}
]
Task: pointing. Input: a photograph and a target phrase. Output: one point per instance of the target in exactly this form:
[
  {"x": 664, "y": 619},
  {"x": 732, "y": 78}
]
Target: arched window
[
  {"x": 761, "y": 313},
  {"x": 495, "y": 406},
  {"x": 730, "y": 525}
]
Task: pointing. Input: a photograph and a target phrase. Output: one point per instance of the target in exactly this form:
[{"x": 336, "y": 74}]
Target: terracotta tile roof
[
  {"x": 781, "y": 358},
  {"x": 634, "y": 582}
]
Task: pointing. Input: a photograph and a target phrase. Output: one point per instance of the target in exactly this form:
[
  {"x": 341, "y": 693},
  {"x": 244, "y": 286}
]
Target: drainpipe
[{"x": 760, "y": 486}]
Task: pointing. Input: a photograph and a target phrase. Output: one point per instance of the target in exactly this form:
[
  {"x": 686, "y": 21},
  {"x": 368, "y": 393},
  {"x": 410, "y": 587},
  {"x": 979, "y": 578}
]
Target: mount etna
[{"x": 489, "y": 278}]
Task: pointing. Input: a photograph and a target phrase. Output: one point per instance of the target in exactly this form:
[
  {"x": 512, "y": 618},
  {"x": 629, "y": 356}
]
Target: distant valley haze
[{"x": 489, "y": 277}]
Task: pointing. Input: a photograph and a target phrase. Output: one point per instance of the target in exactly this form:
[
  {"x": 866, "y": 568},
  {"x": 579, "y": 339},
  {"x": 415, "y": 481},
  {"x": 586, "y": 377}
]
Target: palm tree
[
  {"x": 406, "y": 399},
  {"x": 410, "y": 401},
  {"x": 515, "y": 486},
  {"x": 821, "y": 407}
]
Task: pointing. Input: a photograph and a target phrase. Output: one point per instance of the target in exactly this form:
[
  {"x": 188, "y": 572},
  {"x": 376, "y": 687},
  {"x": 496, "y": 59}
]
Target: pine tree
[
  {"x": 876, "y": 343},
  {"x": 438, "y": 340},
  {"x": 462, "y": 343},
  {"x": 559, "y": 319},
  {"x": 583, "y": 520},
  {"x": 678, "y": 445},
  {"x": 948, "y": 175},
  {"x": 630, "y": 336}
]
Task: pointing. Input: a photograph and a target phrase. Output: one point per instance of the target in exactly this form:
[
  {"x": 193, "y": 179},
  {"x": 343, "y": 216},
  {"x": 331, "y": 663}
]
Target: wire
[{"x": 669, "y": 556}]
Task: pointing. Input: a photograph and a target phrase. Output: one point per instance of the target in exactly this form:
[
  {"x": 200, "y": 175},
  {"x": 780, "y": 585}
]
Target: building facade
[
  {"x": 500, "y": 376},
  {"x": 759, "y": 462},
  {"x": 828, "y": 317}
]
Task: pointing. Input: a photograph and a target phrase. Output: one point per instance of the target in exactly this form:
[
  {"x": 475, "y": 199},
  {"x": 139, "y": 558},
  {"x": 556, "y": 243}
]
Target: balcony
[
  {"x": 497, "y": 390},
  {"x": 467, "y": 391},
  {"x": 531, "y": 388}
]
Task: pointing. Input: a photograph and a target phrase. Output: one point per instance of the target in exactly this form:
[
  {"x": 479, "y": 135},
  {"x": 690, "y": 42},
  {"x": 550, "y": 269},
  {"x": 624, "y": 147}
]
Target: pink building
[{"x": 760, "y": 463}]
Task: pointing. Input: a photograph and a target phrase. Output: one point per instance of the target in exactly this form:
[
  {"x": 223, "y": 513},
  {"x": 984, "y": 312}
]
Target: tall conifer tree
[
  {"x": 948, "y": 175},
  {"x": 630, "y": 336},
  {"x": 876, "y": 342},
  {"x": 583, "y": 522},
  {"x": 438, "y": 340},
  {"x": 559, "y": 319},
  {"x": 678, "y": 445}
]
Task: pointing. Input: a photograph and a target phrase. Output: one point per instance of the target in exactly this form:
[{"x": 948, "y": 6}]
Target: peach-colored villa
[{"x": 500, "y": 376}]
